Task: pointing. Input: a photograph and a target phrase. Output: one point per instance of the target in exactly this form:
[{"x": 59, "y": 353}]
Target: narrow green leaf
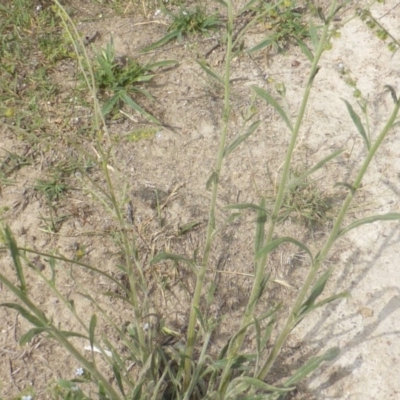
[
  {"x": 316, "y": 167},
  {"x": 244, "y": 206},
  {"x": 369, "y": 220},
  {"x": 200, "y": 319},
  {"x": 92, "y": 327},
  {"x": 137, "y": 392},
  {"x": 341, "y": 295},
  {"x": 66, "y": 384},
  {"x": 12, "y": 245},
  {"x": 117, "y": 374},
  {"x": 145, "y": 78},
  {"x": 211, "y": 180},
  {"x": 210, "y": 72},
  {"x": 346, "y": 185},
  {"x": 162, "y": 256},
  {"x": 241, "y": 138},
  {"x": 316, "y": 291},
  {"x": 25, "y": 313},
  {"x": 110, "y": 103},
  {"x": 304, "y": 311},
  {"x": 311, "y": 365},
  {"x": 269, "y": 99},
  {"x": 260, "y": 385},
  {"x": 306, "y": 51},
  {"x": 277, "y": 242},
  {"x": 265, "y": 43},
  {"x": 137, "y": 108},
  {"x": 260, "y": 224},
  {"x": 73, "y": 334},
  {"x": 162, "y": 41},
  {"x": 357, "y": 122},
  {"x": 28, "y": 336},
  {"x": 392, "y": 93}
]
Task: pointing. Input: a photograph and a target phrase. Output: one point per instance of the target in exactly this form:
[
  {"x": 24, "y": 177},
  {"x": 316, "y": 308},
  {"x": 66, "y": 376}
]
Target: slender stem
[
  {"x": 291, "y": 321},
  {"x": 211, "y": 219},
  {"x": 282, "y": 186}
]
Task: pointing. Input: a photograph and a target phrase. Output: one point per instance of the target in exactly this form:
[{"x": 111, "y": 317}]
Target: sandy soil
[{"x": 177, "y": 161}]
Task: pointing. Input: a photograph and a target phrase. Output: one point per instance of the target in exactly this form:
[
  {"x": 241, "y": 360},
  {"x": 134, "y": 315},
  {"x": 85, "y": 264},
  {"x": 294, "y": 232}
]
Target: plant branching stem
[
  {"x": 211, "y": 219},
  {"x": 292, "y": 319},
  {"x": 260, "y": 264}
]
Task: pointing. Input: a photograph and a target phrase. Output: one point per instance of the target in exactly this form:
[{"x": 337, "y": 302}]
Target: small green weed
[
  {"x": 187, "y": 23},
  {"x": 306, "y": 202},
  {"x": 121, "y": 77},
  {"x": 52, "y": 188},
  {"x": 284, "y": 22}
]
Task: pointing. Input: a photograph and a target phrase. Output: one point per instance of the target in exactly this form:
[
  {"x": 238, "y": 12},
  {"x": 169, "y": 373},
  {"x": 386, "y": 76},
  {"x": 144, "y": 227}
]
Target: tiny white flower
[
  {"x": 157, "y": 13},
  {"x": 146, "y": 326},
  {"x": 26, "y": 398},
  {"x": 79, "y": 372}
]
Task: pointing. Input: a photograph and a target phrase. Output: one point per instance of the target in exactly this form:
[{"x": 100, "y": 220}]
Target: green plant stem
[
  {"x": 99, "y": 118},
  {"x": 260, "y": 265},
  {"x": 211, "y": 219},
  {"x": 292, "y": 319},
  {"x": 54, "y": 332}
]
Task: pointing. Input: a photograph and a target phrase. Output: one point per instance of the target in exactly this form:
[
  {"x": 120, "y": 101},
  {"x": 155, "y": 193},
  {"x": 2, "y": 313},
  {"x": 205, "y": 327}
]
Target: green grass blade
[
  {"x": 25, "y": 313},
  {"x": 210, "y": 72},
  {"x": 162, "y": 256},
  {"x": 137, "y": 108},
  {"x": 306, "y": 51},
  {"x": 270, "y": 100},
  {"x": 12, "y": 245},
  {"x": 117, "y": 374},
  {"x": 260, "y": 225},
  {"x": 28, "y": 336},
  {"x": 265, "y": 43},
  {"x": 316, "y": 291},
  {"x": 277, "y": 242},
  {"x": 260, "y": 385},
  {"x": 311, "y": 365},
  {"x": 241, "y": 138},
  {"x": 162, "y": 41},
  {"x": 357, "y": 122},
  {"x": 370, "y": 220},
  {"x": 245, "y": 206},
  {"x": 211, "y": 180},
  {"x": 110, "y": 103},
  {"x": 92, "y": 327},
  {"x": 316, "y": 167}
]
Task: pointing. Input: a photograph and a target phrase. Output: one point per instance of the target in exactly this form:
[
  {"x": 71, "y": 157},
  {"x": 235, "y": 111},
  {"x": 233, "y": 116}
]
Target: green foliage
[
  {"x": 122, "y": 77},
  {"x": 379, "y": 30},
  {"x": 187, "y": 23},
  {"x": 306, "y": 202},
  {"x": 179, "y": 365},
  {"x": 285, "y": 23},
  {"x": 52, "y": 188}
]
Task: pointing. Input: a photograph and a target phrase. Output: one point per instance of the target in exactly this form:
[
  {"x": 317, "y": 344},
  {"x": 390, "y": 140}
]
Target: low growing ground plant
[
  {"x": 179, "y": 365},
  {"x": 122, "y": 77},
  {"x": 186, "y": 23}
]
